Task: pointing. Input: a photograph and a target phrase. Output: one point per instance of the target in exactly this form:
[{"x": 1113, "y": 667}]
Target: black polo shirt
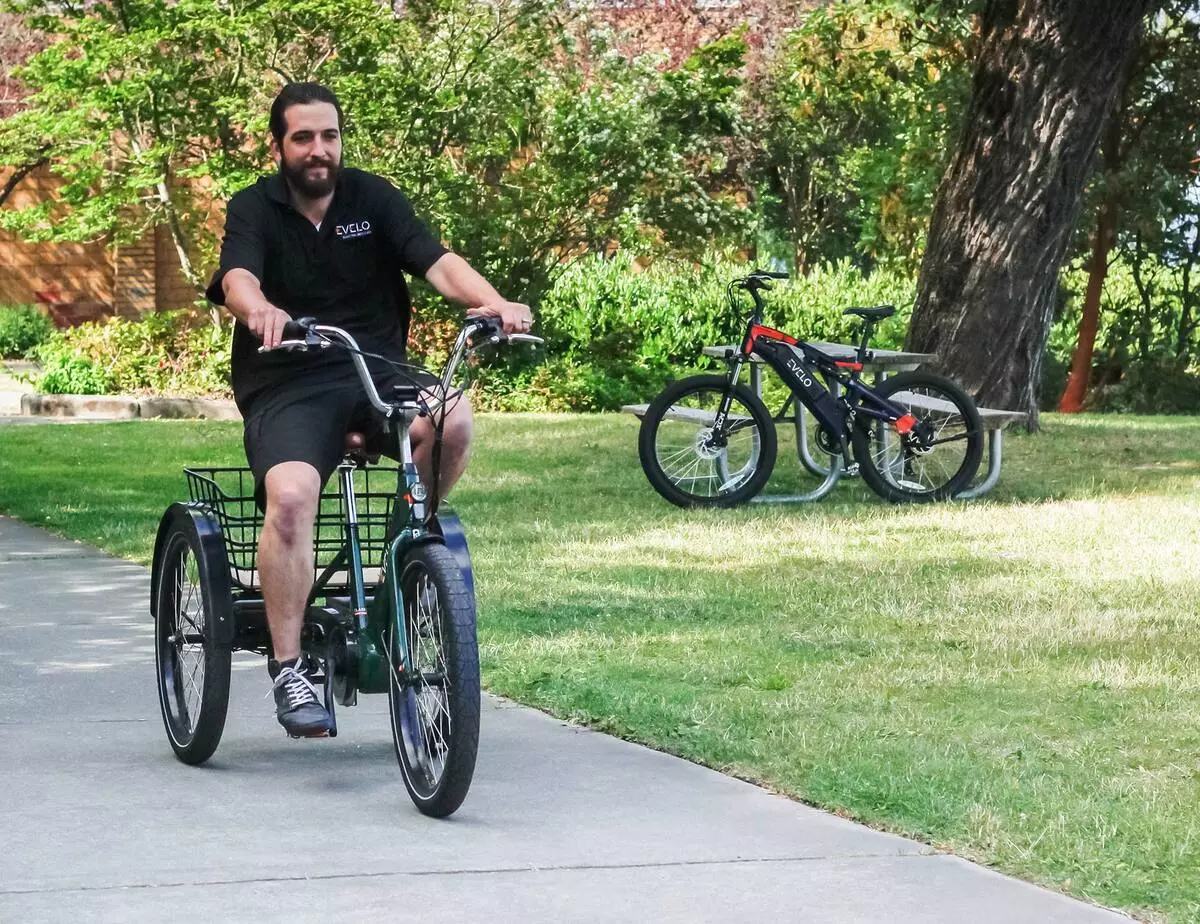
[{"x": 348, "y": 273}]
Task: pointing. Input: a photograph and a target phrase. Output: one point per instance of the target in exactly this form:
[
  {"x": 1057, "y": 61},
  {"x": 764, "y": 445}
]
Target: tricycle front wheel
[{"x": 435, "y": 700}]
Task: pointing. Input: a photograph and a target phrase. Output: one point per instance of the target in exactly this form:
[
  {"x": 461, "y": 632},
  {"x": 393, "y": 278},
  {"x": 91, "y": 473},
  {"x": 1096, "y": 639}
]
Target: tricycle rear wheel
[{"x": 193, "y": 669}]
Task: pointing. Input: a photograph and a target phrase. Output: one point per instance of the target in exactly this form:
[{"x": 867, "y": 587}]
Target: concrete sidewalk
[
  {"x": 11, "y": 388},
  {"x": 101, "y": 823}
]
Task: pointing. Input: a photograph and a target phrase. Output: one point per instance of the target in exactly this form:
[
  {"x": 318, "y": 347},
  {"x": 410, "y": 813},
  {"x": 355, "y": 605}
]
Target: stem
[{"x": 19, "y": 174}]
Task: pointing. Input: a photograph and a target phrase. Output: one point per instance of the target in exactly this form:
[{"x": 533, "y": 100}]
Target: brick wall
[
  {"x": 79, "y": 282},
  {"x": 134, "y": 277},
  {"x": 69, "y": 279},
  {"x": 171, "y": 289}
]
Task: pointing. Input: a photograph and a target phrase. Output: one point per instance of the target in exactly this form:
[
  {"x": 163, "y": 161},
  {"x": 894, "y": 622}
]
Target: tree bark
[
  {"x": 1047, "y": 78},
  {"x": 1081, "y": 362}
]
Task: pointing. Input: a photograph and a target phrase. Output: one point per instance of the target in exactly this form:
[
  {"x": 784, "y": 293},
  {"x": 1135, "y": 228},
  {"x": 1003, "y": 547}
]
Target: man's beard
[{"x": 309, "y": 187}]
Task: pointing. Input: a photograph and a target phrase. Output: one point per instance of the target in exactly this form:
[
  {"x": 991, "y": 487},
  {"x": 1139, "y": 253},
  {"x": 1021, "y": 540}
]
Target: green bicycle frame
[{"x": 406, "y": 527}]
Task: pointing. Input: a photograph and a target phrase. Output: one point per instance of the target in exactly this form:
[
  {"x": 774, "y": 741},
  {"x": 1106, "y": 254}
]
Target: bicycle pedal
[{"x": 322, "y": 733}]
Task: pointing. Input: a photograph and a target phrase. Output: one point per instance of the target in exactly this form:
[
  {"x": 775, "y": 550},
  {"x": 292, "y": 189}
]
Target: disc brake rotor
[{"x": 705, "y": 445}]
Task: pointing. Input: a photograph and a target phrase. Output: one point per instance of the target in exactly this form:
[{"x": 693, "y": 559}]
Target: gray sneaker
[{"x": 297, "y": 704}]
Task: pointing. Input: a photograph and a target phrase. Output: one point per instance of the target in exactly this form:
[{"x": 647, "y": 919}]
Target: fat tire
[
  {"x": 648, "y": 438},
  {"x": 895, "y": 492},
  {"x": 456, "y": 615}
]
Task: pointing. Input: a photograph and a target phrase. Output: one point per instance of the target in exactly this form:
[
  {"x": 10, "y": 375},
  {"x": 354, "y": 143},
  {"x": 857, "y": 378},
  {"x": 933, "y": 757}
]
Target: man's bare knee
[
  {"x": 293, "y": 492},
  {"x": 458, "y": 427}
]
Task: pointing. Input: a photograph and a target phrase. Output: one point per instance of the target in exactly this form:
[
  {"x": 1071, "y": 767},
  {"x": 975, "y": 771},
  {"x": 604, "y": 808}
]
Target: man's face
[{"x": 310, "y": 155}]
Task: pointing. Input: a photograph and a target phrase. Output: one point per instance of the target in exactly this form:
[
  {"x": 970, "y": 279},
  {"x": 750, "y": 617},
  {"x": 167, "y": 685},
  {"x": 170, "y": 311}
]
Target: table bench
[{"x": 995, "y": 422}]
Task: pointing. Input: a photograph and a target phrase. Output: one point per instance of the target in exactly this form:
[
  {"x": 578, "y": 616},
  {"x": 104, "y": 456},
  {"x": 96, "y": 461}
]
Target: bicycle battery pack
[{"x": 792, "y": 366}]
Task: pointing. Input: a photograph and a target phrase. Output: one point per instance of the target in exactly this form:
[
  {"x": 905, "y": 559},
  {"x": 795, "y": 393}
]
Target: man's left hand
[{"x": 514, "y": 317}]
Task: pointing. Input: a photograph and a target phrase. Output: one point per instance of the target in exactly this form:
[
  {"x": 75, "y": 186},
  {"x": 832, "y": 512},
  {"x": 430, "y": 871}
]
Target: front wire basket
[{"x": 228, "y": 493}]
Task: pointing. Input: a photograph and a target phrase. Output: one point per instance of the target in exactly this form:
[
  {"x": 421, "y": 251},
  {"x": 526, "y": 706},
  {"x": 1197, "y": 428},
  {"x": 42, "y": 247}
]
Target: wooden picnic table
[{"x": 882, "y": 362}]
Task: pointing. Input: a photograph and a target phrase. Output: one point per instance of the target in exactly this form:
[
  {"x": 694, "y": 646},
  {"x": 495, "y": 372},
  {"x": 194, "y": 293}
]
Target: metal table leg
[
  {"x": 993, "y": 469},
  {"x": 831, "y": 479}
]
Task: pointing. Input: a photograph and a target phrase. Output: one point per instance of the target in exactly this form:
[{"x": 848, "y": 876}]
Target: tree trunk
[
  {"x": 1187, "y": 298},
  {"x": 1047, "y": 77},
  {"x": 1089, "y": 323}
]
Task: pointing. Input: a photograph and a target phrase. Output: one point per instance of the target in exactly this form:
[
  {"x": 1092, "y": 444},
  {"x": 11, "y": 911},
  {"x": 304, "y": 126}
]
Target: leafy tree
[
  {"x": 568, "y": 154},
  {"x": 521, "y": 153},
  {"x": 140, "y": 107},
  {"x": 1145, "y": 208},
  {"x": 857, "y": 110}
]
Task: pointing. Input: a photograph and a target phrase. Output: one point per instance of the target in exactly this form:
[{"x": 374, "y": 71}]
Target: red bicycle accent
[{"x": 761, "y": 330}]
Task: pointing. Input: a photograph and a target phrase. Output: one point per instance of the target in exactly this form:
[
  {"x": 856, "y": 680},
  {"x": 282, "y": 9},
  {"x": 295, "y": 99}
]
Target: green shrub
[
  {"x": 616, "y": 331},
  {"x": 67, "y": 374},
  {"x": 173, "y": 353},
  {"x": 22, "y": 327},
  {"x": 560, "y": 384},
  {"x": 1151, "y": 388}
]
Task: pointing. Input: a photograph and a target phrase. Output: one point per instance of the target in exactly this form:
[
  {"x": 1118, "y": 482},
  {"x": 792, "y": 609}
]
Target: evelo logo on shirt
[{"x": 353, "y": 229}]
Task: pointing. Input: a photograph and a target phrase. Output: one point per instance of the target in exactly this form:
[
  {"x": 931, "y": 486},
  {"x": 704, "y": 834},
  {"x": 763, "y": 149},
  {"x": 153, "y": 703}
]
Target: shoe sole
[{"x": 314, "y": 731}]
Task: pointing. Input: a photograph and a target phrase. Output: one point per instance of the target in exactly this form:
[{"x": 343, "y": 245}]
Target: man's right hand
[
  {"x": 243, "y": 297},
  {"x": 266, "y": 322}
]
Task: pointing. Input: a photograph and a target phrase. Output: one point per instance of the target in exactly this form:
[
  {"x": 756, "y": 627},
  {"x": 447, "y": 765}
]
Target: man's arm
[
  {"x": 454, "y": 278},
  {"x": 236, "y": 284},
  {"x": 245, "y": 300}
]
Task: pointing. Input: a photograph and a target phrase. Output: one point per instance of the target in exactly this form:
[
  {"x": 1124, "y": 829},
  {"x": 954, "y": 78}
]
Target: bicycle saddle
[
  {"x": 872, "y": 314},
  {"x": 356, "y": 447}
]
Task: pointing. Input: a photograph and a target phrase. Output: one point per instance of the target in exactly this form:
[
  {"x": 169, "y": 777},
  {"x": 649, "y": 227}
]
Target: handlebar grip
[
  {"x": 486, "y": 325},
  {"x": 776, "y": 275},
  {"x": 297, "y": 329}
]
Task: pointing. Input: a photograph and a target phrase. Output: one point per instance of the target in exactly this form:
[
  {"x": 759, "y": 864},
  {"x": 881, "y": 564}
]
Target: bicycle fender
[
  {"x": 449, "y": 529},
  {"x": 211, "y": 561}
]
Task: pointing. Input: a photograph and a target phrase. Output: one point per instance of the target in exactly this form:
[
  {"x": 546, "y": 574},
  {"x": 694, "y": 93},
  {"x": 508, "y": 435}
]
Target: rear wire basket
[{"x": 228, "y": 493}]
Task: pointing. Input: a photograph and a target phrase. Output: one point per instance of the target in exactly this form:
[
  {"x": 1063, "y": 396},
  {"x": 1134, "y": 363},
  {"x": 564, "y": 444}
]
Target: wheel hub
[
  {"x": 919, "y": 441},
  {"x": 706, "y": 445}
]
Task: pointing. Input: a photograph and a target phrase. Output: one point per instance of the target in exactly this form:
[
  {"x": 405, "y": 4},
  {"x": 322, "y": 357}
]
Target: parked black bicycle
[{"x": 708, "y": 440}]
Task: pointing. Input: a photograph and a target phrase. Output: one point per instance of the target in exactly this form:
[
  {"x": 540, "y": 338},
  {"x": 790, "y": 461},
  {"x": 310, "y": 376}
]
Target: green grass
[{"x": 1015, "y": 679}]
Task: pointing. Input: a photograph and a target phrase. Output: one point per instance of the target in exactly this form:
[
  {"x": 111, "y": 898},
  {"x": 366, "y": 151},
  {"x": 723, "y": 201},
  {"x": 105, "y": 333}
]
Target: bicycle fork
[{"x": 722, "y": 415}]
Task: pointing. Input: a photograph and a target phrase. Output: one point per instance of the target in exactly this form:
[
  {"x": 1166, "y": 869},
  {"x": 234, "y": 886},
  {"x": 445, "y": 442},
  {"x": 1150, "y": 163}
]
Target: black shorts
[{"x": 307, "y": 420}]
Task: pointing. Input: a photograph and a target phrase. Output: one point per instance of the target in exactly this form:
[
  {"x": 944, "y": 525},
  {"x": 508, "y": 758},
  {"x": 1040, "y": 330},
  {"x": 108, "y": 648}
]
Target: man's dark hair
[{"x": 298, "y": 94}]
